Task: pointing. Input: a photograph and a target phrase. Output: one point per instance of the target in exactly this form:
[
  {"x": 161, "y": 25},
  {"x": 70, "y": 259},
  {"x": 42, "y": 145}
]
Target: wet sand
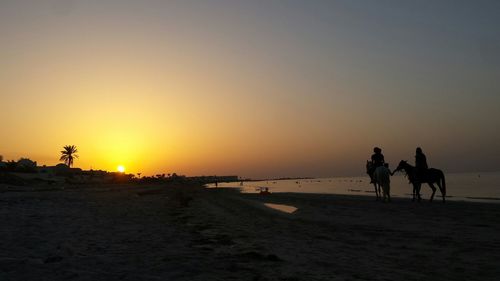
[{"x": 190, "y": 233}]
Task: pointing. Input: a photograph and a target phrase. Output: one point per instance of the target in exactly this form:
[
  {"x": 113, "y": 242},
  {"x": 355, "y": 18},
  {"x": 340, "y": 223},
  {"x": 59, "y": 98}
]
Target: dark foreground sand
[{"x": 159, "y": 233}]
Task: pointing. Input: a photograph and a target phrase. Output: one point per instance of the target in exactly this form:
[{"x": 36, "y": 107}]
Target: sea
[{"x": 478, "y": 187}]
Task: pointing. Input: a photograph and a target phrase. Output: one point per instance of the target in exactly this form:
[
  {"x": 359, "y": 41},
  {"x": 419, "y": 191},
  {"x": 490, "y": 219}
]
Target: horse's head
[{"x": 401, "y": 166}]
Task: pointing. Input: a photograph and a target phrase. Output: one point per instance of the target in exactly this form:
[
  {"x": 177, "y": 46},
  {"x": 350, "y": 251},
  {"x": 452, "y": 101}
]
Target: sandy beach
[{"x": 127, "y": 232}]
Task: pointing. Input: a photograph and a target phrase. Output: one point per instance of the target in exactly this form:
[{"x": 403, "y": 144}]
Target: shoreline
[{"x": 371, "y": 194}]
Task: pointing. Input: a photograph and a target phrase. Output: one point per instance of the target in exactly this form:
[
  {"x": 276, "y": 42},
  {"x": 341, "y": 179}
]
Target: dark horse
[{"x": 432, "y": 176}]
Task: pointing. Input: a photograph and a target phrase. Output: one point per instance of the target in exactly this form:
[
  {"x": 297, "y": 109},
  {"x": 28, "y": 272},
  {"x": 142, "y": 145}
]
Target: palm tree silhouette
[{"x": 68, "y": 154}]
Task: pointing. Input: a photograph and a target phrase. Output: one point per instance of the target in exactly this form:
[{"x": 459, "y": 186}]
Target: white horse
[{"x": 382, "y": 176}]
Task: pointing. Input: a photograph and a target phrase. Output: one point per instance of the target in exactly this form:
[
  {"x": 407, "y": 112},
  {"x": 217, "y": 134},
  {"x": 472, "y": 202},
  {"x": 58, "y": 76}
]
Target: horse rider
[
  {"x": 377, "y": 160},
  {"x": 420, "y": 164}
]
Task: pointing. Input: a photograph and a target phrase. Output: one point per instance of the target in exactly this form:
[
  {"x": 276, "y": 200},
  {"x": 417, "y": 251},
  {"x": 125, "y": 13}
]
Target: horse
[
  {"x": 432, "y": 176},
  {"x": 382, "y": 176},
  {"x": 370, "y": 171}
]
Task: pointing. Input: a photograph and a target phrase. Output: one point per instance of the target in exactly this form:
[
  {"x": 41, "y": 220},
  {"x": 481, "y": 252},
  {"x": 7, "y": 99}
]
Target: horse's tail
[{"x": 443, "y": 182}]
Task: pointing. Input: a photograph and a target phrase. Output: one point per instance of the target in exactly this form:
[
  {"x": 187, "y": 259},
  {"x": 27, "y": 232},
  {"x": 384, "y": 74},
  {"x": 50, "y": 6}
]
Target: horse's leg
[
  {"x": 442, "y": 186},
  {"x": 376, "y": 193},
  {"x": 386, "y": 189},
  {"x": 414, "y": 191},
  {"x": 440, "y": 189},
  {"x": 419, "y": 185},
  {"x": 433, "y": 190}
]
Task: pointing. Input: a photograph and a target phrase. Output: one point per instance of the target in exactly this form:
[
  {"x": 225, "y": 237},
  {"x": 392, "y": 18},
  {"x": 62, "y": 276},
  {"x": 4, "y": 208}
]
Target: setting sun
[{"x": 121, "y": 169}]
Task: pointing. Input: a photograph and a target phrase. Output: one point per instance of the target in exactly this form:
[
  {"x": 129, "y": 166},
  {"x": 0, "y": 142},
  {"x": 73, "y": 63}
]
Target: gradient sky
[{"x": 253, "y": 88}]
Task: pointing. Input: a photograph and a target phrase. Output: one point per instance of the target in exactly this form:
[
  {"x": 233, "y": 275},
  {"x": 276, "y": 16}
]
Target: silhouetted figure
[
  {"x": 378, "y": 157},
  {"x": 432, "y": 176},
  {"x": 377, "y": 161},
  {"x": 420, "y": 165}
]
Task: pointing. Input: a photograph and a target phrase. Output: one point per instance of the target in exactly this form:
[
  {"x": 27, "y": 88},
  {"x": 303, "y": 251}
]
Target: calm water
[{"x": 463, "y": 186}]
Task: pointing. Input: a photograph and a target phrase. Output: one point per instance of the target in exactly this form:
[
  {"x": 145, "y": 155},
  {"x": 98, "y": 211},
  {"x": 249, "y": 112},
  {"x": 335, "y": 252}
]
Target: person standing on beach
[
  {"x": 377, "y": 160},
  {"x": 420, "y": 164}
]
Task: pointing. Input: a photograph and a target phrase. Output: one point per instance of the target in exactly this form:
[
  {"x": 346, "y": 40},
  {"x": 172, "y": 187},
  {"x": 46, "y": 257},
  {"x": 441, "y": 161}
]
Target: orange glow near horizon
[{"x": 238, "y": 88}]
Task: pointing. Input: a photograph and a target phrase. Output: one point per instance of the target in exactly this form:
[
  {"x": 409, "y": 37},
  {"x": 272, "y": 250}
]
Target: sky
[{"x": 251, "y": 88}]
